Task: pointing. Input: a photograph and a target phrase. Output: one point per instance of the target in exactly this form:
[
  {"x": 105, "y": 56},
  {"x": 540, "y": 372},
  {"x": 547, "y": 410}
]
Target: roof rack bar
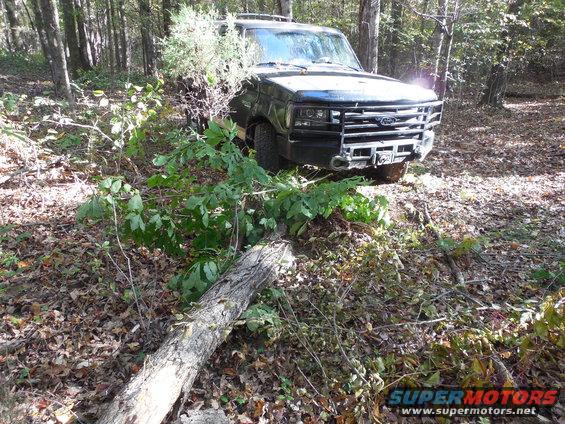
[{"x": 263, "y": 16}]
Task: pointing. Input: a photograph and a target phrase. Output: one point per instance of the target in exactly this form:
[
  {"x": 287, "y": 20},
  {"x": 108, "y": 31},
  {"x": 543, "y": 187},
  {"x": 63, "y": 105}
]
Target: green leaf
[
  {"x": 91, "y": 209},
  {"x": 194, "y": 201},
  {"x": 211, "y": 271},
  {"x": 136, "y": 222},
  {"x": 160, "y": 160},
  {"x": 116, "y": 185},
  {"x": 433, "y": 380},
  {"x": 135, "y": 203}
]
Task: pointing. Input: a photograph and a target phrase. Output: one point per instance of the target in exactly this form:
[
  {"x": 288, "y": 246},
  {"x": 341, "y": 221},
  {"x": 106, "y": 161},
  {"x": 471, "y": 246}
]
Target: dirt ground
[{"x": 79, "y": 330}]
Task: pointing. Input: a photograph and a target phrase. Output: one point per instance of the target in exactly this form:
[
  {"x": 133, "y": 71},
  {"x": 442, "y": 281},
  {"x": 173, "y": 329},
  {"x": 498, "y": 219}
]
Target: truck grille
[{"x": 357, "y": 124}]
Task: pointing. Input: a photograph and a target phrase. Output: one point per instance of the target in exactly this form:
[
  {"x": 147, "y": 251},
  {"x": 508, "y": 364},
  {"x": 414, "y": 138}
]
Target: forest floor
[{"x": 367, "y": 308}]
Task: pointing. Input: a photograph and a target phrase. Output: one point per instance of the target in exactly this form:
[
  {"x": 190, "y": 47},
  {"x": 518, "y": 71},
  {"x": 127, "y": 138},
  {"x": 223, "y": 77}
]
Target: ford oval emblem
[{"x": 386, "y": 121}]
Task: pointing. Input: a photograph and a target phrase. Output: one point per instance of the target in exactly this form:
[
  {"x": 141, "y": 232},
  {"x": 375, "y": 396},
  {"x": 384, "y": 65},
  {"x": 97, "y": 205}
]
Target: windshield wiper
[
  {"x": 329, "y": 62},
  {"x": 281, "y": 64}
]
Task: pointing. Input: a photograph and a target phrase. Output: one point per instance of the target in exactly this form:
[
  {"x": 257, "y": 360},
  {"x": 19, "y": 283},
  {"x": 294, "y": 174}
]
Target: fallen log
[{"x": 152, "y": 392}]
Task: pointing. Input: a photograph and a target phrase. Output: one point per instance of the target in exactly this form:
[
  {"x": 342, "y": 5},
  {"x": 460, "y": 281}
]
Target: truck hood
[{"x": 347, "y": 87}]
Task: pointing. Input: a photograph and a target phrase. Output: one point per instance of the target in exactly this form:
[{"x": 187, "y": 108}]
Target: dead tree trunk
[{"x": 151, "y": 393}]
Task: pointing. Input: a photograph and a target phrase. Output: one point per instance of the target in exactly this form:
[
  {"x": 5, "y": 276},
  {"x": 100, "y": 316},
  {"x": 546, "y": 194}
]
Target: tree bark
[
  {"x": 109, "y": 37},
  {"x": 56, "y": 48},
  {"x": 419, "y": 40},
  {"x": 285, "y": 8},
  {"x": 167, "y": 13},
  {"x": 40, "y": 28},
  {"x": 369, "y": 23},
  {"x": 86, "y": 60},
  {"x": 493, "y": 94},
  {"x": 123, "y": 35},
  {"x": 439, "y": 37},
  {"x": 149, "y": 53},
  {"x": 17, "y": 43},
  {"x": 117, "y": 45},
  {"x": 151, "y": 393},
  {"x": 71, "y": 36},
  {"x": 447, "y": 50},
  {"x": 396, "y": 17}
]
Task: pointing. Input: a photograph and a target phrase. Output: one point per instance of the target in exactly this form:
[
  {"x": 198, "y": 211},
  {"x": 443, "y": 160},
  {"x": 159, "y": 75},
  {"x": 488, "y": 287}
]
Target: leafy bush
[
  {"x": 130, "y": 119},
  {"x": 210, "y": 222},
  {"x": 210, "y": 64}
]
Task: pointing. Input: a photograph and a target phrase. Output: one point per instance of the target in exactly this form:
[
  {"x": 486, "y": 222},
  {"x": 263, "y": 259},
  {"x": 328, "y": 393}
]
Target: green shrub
[
  {"x": 211, "y": 65},
  {"x": 208, "y": 223}
]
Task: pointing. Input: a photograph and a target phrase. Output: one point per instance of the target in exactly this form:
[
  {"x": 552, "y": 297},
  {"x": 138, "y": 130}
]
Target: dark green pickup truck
[{"x": 312, "y": 103}]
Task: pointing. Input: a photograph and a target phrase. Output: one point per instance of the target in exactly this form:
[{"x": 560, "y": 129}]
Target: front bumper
[{"x": 357, "y": 137}]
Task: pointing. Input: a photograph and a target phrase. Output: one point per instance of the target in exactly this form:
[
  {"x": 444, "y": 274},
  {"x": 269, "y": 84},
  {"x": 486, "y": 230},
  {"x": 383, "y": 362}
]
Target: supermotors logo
[{"x": 467, "y": 402}]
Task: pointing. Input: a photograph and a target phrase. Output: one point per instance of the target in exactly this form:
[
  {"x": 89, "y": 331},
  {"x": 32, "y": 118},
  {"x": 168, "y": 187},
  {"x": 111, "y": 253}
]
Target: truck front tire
[
  {"x": 265, "y": 141},
  {"x": 391, "y": 173}
]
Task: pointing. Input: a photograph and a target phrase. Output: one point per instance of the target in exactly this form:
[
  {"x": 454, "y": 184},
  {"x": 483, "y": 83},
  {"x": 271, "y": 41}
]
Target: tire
[
  {"x": 265, "y": 140},
  {"x": 391, "y": 173}
]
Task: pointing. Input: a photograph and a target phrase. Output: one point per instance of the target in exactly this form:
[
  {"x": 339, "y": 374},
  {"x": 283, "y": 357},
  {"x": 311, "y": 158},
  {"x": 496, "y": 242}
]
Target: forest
[{"x": 156, "y": 267}]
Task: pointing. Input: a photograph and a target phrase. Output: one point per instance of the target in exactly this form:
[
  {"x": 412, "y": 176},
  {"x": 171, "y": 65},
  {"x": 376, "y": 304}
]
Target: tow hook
[{"x": 339, "y": 163}]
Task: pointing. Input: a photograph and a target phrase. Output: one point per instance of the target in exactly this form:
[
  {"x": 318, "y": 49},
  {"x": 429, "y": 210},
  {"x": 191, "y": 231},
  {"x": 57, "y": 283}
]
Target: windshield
[{"x": 302, "y": 48}]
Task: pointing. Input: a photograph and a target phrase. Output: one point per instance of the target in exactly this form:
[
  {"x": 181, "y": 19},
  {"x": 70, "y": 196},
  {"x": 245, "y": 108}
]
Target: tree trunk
[
  {"x": 86, "y": 60},
  {"x": 147, "y": 42},
  {"x": 151, "y": 393},
  {"x": 94, "y": 35},
  {"x": 17, "y": 43},
  {"x": 123, "y": 35},
  {"x": 109, "y": 37},
  {"x": 285, "y": 8},
  {"x": 71, "y": 36},
  {"x": 118, "y": 54},
  {"x": 4, "y": 25},
  {"x": 369, "y": 22},
  {"x": 56, "y": 48},
  {"x": 493, "y": 94},
  {"x": 167, "y": 13},
  {"x": 419, "y": 40},
  {"x": 40, "y": 28},
  {"x": 439, "y": 36},
  {"x": 447, "y": 50},
  {"x": 396, "y": 17}
]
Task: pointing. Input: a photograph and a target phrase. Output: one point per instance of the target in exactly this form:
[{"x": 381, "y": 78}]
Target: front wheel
[
  {"x": 265, "y": 141},
  {"x": 391, "y": 173}
]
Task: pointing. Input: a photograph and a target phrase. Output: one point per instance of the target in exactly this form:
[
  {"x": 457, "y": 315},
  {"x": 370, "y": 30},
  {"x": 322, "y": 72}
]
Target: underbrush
[
  {"x": 23, "y": 64},
  {"x": 102, "y": 79},
  {"x": 368, "y": 311}
]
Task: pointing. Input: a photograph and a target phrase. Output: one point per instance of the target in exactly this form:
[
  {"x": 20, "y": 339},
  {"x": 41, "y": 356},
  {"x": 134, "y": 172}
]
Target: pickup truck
[{"x": 312, "y": 103}]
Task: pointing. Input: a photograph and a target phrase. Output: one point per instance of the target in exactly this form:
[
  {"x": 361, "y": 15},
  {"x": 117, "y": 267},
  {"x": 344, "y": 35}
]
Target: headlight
[{"x": 311, "y": 117}]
